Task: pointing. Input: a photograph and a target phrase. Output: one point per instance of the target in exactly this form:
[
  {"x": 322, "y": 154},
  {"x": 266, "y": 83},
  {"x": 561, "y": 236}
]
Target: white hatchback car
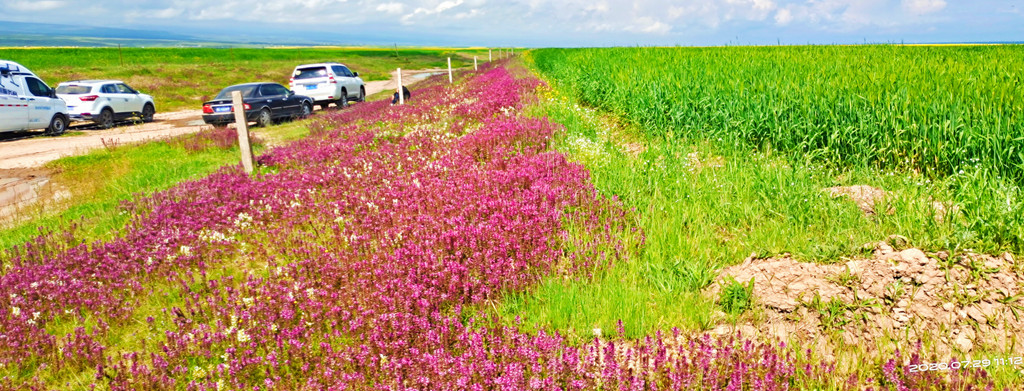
[
  {"x": 105, "y": 101},
  {"x": 328, "y": 83}
]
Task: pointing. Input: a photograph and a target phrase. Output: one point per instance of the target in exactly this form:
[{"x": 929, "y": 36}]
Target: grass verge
[{"x": 94, "y": 185}]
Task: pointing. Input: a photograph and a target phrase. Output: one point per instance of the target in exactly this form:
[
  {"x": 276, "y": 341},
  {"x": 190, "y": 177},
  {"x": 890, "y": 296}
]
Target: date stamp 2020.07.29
[{"x": 967, "y": 364}]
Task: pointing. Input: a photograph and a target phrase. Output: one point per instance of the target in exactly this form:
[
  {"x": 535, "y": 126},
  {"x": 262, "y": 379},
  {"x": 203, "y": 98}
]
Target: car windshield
[
  {"x": 246, "y": 90},
  {"x": 73, "y": 89},
  {"x": 309, "y": 73}
]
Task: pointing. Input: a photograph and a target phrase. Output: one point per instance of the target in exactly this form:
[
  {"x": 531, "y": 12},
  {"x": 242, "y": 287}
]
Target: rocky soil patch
[{"x": 959, "y": 303}]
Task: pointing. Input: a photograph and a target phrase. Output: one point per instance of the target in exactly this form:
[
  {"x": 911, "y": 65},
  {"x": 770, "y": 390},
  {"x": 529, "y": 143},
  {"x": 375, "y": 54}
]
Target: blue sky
[{"x": 538, "y": 23}]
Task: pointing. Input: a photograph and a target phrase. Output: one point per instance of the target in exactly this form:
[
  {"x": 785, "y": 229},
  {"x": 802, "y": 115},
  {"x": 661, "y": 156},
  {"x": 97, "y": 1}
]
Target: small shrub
[{"x": 736, "y": 297}]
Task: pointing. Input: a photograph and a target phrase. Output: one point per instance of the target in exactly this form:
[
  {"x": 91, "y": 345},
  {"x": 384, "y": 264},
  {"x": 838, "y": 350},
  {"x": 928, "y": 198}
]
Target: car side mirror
[
  {"x": 355, "y": 74},
  {"x": 291, "y": 93},
  {"x": 53, "y": 93}
]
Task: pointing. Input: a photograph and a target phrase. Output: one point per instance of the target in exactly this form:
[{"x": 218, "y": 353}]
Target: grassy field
[
  {"x": 184, "y": 78},
  {"x": 723, "y": 153}
]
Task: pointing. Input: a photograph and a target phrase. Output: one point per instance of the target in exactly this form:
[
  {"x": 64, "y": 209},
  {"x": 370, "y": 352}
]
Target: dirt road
[{"x": 23, "y": 154}]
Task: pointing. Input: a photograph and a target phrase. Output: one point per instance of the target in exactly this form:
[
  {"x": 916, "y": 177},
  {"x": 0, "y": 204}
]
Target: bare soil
[{"x": 957, "y": 303}]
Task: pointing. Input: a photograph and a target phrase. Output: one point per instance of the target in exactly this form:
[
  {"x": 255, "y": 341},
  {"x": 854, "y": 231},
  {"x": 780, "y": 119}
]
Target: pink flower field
[{"x": 361, "y": 258}]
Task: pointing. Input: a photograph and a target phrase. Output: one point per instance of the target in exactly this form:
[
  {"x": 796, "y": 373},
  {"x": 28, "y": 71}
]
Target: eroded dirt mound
[{"x": 960, "y": 303}]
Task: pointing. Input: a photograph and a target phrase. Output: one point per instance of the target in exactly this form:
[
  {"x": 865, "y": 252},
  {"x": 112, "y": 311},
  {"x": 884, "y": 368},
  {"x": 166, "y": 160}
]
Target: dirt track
[{"x": 23, "y": 154}]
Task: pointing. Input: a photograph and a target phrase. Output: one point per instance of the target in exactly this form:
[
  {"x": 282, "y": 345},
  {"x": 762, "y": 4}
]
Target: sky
[{"x": 535, "y": 23}]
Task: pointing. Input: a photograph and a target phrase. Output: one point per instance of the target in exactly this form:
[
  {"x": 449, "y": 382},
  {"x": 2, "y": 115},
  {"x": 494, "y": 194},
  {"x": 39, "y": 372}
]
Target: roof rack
[{"x": 6, "y": 70}]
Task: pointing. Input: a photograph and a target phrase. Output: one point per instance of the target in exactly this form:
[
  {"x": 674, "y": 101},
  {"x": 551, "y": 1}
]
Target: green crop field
[
  {"x": 934, "y": 109},
  {"x": 183, "y": 78}
]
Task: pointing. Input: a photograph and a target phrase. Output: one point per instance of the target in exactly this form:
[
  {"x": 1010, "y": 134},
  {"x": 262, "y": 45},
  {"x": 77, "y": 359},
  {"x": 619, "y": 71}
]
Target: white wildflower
[
  {"x": 310, "y": 292},
  {"x": 242, "y": 336},
  {"x": 34, "y": 285},
  {"x": 244, "y": 220},
  {"x": 185, "y": 250},
  {"x": 198, "y": 372},
  {"x": 220, "y": 384},
  {"x": 273, "y": 327},
  {"x": 597, "y": 332},
  {"x": 248, "y": 301},
  {"x": 16, "y": 311}
]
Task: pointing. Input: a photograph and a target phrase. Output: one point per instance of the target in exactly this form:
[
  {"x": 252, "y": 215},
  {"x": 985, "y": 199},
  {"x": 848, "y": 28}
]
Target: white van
[{"x": 27, "y": 103}]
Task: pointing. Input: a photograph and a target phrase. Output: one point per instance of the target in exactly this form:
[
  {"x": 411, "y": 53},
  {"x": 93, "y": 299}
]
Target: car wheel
[
  {"x": 147, "y": 113},
  {"x": 343, "y": 101},
  {"x": 106, "y": 118},
  {"x": 58, "y": 125},
  {"x": 264, "y": 118},
  {"x": 306, "y": 110},
  {"x": 362, "y": 94}
]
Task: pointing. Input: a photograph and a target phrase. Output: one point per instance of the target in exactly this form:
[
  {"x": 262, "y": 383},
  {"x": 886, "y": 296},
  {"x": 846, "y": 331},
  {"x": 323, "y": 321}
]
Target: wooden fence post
[
  {"x": 489, "y": 57},
  {"x": 401, "y": 94},
  {"x": 242, "y": 126},
  {"x": 450, "y": 70},
  {"x": 474, "y": 64}
]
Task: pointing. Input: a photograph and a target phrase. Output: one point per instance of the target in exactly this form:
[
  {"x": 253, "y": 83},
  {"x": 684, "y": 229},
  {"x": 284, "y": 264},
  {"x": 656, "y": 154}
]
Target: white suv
[
  {"x": 327, "y": 83},
  {"x": 105, "y": 101},
  {"x": 27, "y": 103}
]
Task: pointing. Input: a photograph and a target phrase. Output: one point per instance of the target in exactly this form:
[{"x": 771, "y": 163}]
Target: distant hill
[
  {"x": 18, "y": 34},
  {"x": 29, "y": 31}
]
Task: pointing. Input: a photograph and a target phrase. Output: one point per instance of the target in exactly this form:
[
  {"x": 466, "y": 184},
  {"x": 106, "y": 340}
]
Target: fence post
[
  {"x": 401, "y": 94},
  {"x": 242, "y": 126},
  {"x": 474, "y": 64},
  {"x": 489, "y": 57},
  {"x": 449, "y": 70}
]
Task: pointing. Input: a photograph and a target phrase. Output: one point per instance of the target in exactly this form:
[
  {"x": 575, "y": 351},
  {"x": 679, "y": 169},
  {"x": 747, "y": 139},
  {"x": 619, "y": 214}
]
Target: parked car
[
  {"x": 328, "y": 83},
  {"x": 105, "y": 102},
  {"x": 27, "y": 103},
  {"x": 264, "y": 103}
]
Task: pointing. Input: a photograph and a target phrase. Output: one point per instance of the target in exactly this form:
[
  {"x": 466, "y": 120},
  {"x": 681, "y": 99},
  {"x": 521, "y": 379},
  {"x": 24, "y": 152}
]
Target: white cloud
[
  {"x": 783, "y": 17},
  {"x": 447, "y": 5},
  {"x": 167, "y": 13},
  {"x": 46, "y": 5},
  {"x": 635, "y": 21},
  {"x": 924, "y": 6},
  {"x": 391, "y": 8}
]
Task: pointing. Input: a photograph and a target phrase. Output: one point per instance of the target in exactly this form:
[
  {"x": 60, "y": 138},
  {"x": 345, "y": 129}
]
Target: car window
[
  {"x": 274, "y": 90},
  {"x": 346, "y": 71},
  {"x": 338, "y": 70},
  {"x": 247, "y": 92},
  {"x": 310, "y": 73},
  {"x": 124, "y": 89},
  {"x": 71, "y": 89},
  {"x": 37, "y": 87},
  {"x": 108, "y": 89},
  {"x": 268, "y": 90}
]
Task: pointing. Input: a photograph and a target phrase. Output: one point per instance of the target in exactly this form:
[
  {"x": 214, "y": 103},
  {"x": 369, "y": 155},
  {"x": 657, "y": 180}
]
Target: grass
[
  {"x": 184, "y": 78},
  {"x": 97, "y": 182}
]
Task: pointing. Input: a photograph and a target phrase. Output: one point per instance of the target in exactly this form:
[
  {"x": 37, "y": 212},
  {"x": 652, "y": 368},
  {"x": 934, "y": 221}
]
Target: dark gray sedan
[{"x": 264, "y": 103}]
